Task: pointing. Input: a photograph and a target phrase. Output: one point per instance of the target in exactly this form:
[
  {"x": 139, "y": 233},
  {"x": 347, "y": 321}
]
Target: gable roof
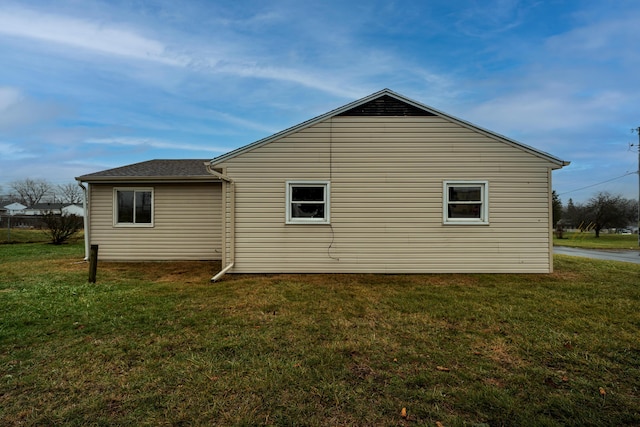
[
  {"x": 151, "y": 170},
  {"x": 388, "y": 103},
  {"x": 13, "y": 206},
  {"x": 46, "y": 206}
]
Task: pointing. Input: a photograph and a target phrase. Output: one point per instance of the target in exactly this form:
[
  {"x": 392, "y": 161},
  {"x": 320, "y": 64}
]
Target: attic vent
[{"x": 386, "y": 106}]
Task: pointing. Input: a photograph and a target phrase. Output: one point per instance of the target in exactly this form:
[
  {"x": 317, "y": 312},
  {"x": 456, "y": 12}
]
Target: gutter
[
  {"x": 85, "y": 219},
  {"x": 145, "y": 179},
  {"x": 222, "y": 272},
  {"x": 232, "y": 220}
]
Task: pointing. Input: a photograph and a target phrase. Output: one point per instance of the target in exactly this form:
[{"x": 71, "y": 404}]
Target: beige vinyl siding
[
  {"x": 386, "y": 176},
  {"x": 186, "y": 224},
  {"x": 227, "y": 224}
]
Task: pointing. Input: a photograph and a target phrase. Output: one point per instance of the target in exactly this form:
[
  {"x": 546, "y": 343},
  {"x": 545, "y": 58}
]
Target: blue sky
[{"x": 90, "y": 85}]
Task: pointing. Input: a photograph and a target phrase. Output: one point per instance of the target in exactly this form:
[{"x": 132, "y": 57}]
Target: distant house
[
  {"x": 44, "y": 209},
  {"x": 384, "y": 184},
  {"x": 72, "y": 209},
  {"x": 12, "y": 208}
]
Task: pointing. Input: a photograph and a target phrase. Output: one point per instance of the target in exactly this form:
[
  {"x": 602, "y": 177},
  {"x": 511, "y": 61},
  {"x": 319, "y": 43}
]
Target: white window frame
[
  {"x": 484, "y": 200},
  {"x": 135, "y": 190},
  {"x": 327, "y": 208}
]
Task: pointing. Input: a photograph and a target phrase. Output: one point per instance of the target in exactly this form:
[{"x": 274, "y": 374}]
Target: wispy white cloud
[
  {"x": 8, "y": 97},
  {"x": 242, "y": 122},
  {"x": 308, "y": 78},
  {"x": 18, "y": 110},
  {"x": 490, "y": 17},
  {"x": 254, "y": 21},
  {"x": 605, "y": 37},
  {"x": 92, "y": 35},
  {"x": 9, "y": 151},
  {"x": 578, "y": 82},
  {"x": 128, "y": 41},
  {"x": 155, "y": 143},
  {"x": 548, "y": 109}
]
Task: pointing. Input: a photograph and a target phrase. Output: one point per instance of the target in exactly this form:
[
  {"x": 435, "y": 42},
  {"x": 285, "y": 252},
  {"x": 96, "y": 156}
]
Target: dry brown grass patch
[
  {"x": 183, "y": 272},
  {"x": 499, "y": 351}
]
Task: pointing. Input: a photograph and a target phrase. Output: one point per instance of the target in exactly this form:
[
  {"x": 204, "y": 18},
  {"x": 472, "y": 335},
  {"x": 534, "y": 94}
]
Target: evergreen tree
[{"x": 556, "y": 204}]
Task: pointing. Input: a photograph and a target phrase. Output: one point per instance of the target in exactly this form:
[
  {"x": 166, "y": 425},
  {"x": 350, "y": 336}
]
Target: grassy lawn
[
  {"x": 22, "y": 235},
  {"x": 157, "y": 344},
  {"x": 25, "y": 235},
  {"x": 588, "y": 240}
]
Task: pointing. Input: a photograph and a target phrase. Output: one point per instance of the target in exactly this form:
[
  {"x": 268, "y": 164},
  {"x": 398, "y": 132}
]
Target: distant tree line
[
  {"x": 30, "y": 192},
  {"x": 602, "y": 211}
]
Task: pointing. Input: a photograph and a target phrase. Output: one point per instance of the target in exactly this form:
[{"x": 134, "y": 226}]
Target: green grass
[
  {"x": 588, "y": 240},
  {"x": 157, "y": 344},
  {"x": 21, "y": 235},
  {"x": 26, "y": 235}
]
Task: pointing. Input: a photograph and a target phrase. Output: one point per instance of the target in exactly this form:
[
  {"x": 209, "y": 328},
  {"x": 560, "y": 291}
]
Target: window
[
  {"x": 466, "y": 202},
  {"x": 133, "y": 207},
  {"x": 307, "y": 202}
]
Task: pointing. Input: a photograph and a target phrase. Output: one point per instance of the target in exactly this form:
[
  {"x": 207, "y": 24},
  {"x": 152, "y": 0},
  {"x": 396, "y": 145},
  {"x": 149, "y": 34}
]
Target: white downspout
[
  {"x": 85, "y": 219},
  {"x": 232, "y": 220}
]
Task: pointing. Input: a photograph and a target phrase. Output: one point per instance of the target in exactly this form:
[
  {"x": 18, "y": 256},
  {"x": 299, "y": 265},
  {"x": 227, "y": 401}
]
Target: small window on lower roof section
[
  {"x": 307, "y": 202},
  {"x": 466, "y": 202}
]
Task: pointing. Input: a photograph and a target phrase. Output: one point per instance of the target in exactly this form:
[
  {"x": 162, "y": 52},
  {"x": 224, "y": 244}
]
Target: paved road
[{"x": 612, "y": 255}]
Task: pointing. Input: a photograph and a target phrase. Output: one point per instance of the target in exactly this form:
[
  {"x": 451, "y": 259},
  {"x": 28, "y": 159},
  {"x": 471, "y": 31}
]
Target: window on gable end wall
[
  {"x": 307, "y": 202},
  {"x": 133, "y": 207},
  {"x": 466, "y": 202}
]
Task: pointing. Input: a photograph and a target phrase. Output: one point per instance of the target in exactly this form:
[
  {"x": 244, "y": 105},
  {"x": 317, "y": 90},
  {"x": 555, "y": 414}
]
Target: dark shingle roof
[
  {"x": 46, "y": 205},
  {"x": 186, "y": 169}
]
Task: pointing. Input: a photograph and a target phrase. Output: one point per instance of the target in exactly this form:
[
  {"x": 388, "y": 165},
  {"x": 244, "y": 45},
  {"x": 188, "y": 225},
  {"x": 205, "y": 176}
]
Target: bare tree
[
  {"x": 606, "y": 211},
  {"x": 31, "y": 191},
  {"x": 69, "y": 193}
]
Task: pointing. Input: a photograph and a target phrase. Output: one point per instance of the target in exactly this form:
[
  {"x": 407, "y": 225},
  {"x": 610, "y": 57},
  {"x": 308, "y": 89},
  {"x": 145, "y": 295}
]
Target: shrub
[{"x": 61, "y": 227}]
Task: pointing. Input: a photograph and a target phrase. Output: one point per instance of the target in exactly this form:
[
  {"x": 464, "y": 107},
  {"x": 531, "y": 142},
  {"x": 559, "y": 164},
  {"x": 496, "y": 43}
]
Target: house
[
  {"x": 154, "y": 210},
  {"x": 383, "y": 184},
  {"x": 72, "y": 209},
  {"x": 44, "y": 208},
  {"x": 12, "y": 208}
]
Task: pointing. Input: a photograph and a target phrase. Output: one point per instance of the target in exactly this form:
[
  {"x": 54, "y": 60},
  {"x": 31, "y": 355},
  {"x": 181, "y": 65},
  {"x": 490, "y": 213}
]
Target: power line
[{"x": 599, "y": 183}]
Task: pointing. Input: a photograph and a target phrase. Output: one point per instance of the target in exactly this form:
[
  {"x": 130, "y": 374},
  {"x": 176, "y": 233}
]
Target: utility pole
[{"x": 637, "y": 130}]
